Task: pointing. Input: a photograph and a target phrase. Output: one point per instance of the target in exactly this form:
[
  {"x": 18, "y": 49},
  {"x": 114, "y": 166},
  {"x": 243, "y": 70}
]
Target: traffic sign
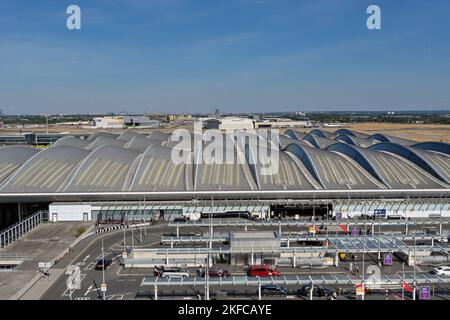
[
  {"x": 43, "y": 265},
  {"x": 359, "y": 289}
]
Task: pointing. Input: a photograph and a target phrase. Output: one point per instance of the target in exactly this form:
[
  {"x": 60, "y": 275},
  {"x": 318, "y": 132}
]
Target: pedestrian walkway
[{"x": 43, "y": 244}]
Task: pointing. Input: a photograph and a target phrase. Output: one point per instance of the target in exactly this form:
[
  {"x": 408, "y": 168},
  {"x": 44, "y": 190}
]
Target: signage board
[
  {"x": 387, "y": 259},
  {"x": 359, "y": 289},
  {"x": 43, "y": 265},
  {"x": 425, "y": 293},
  {"x": 379, "y": 213}
]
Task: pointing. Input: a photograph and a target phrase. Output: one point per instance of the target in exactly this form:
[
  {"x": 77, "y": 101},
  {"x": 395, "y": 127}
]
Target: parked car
[
  {"x": 442, "y": 271},
  {"x": 103, "y": 263},
  {"x": 318, "y": 291},
  {"x": 181, "y": 219},
  {"x": 262, "y": 271},
  {"x": 215, "y": 272},
  {"x": 273, "y": 290},
  {"x": 174, "y": 272}
]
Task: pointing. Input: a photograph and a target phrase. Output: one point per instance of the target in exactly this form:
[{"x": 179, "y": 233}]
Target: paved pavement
[{"x": 42, "y": 244}]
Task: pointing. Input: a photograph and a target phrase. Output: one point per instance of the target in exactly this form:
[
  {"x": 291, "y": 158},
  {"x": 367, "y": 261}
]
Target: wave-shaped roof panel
[
  {"x": 160, "y": 170},
  {"x": 107, "y": 168},
  {"x": 12, "y": 157},
  {"x": 46, "y": 171}
]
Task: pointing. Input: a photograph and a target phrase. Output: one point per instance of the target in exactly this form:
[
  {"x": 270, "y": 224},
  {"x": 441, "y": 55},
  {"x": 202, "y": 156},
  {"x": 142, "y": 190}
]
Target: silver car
[{"x": 174, "y": 273}]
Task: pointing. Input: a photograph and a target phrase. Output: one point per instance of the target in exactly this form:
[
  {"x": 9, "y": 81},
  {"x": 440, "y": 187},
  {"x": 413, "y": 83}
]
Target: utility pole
[
  {"x": 440, "y": 215},
  {"x": 140, "y": 227},
  {"x": 46, "y": 121},
  {"x": 124, "y": 233},
  {"x": 363, "y": 265},
  {"x": 103, "y": 283}
]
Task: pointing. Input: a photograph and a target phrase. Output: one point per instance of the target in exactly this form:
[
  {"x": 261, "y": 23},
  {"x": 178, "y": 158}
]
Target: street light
[{"x": 103, "y": 286}]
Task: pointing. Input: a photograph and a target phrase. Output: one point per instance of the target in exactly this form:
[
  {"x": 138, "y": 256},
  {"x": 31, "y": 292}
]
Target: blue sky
[{"x": 235, "y": 55}]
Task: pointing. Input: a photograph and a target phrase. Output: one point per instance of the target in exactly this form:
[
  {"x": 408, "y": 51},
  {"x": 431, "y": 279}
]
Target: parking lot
[{"x": 126, "y": 283}]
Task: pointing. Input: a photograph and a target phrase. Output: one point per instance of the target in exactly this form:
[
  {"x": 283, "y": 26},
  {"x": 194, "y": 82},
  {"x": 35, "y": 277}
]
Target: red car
[{"x": 262, "y": 271}]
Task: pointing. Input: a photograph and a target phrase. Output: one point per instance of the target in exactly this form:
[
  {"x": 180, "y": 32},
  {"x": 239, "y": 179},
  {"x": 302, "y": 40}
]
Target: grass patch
[{"x": 80, "y": 230}]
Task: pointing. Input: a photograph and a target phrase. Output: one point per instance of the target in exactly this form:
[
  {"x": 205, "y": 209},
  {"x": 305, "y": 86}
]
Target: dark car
[
  {"x": 181, "y": 219},
  {"x": 103, "y": 263},
  {"x": 214, "y": 272},
  {"x": 318, "y": 291},
  {"x": 273, "y": 290}
]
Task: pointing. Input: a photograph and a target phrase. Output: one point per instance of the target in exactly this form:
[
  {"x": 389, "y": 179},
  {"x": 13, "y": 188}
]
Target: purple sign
[
  {"x": 338, "y": 215},
  {"x": 355, "y": 231},
  {"x": 387, "y": 259},
  {"x": 425, "y": 293}
]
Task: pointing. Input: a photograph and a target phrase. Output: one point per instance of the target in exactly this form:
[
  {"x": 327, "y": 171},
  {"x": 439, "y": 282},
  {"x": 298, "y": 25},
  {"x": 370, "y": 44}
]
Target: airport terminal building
[{"x": 112, "y": 177}]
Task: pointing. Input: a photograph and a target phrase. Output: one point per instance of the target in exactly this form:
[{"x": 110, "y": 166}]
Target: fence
[{"x": 18, "y": 230}]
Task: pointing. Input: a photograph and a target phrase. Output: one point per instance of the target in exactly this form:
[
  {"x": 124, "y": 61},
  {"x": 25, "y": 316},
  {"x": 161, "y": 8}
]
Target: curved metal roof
[
  {"x": 140, "y": 143},
  {"x": 394, "y": 172},
  {"x": 106, "y": 141},
  {"x": 105, "y": 168},
  {"x": 128, "y": 135},
  {"x": 157, "y": 172},
  {"x": 352, "y": 133},
  {"x": 319, "y": 142},
  {"x": 385, "y": 138},
  {"x": 294, "y": 134},
  {"x": 332, "y": 170},
  {"x": 323, "y": 133},
  {"x": 356, "y": 141},
  {"x": 12, "y": 157},
  {"x": 275, "y": 170},
  {"x": 160, "y": 136},
  {"x": 103, "y": 134},
  {"x": 441, "y": 147},
  {"x": 137, "y": 164},
  {"x": 435, "y": 164},
  {"x": 72, "y": 142},
  {"x": 46, "y": 170}
]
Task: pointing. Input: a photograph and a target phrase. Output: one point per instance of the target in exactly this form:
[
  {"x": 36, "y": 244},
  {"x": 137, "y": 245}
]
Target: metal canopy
[
  {"x": 318, "y": 279},
  {"x": 221, "y": 237}
]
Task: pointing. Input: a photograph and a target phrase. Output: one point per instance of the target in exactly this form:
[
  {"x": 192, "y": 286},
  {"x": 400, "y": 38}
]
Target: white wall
[{"x": 69, "y": 212}]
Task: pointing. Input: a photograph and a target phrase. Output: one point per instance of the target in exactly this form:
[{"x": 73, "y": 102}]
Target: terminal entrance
[{"x": 299, "y": 211}]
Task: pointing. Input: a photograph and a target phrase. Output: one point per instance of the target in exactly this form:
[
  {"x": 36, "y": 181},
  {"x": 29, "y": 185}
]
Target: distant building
[
  {"x": 106, "y": 123},
  {"x": 229, "y": 124},
  {"x": 141, "y": 122},
  {"x": 281, "y": 123},
  {"x": 163, "y": 117}
]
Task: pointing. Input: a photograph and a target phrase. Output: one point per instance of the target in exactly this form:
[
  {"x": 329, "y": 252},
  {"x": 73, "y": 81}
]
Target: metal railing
[{"x": 19, "y": 229}]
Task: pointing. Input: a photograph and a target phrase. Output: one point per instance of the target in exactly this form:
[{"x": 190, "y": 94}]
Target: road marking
[
  {"x": 87, "y": 257},
  {"x": 89, "y": 290},
  {"x": 90, "y": 266},
  {"x": 67, "y": 291}
]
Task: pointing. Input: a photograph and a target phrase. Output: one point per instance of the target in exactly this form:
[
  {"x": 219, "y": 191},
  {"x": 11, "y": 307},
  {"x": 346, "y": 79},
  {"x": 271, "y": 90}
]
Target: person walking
[
  {"x": 350, "y": 267},
  {"x": 356, "y": 270}
]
